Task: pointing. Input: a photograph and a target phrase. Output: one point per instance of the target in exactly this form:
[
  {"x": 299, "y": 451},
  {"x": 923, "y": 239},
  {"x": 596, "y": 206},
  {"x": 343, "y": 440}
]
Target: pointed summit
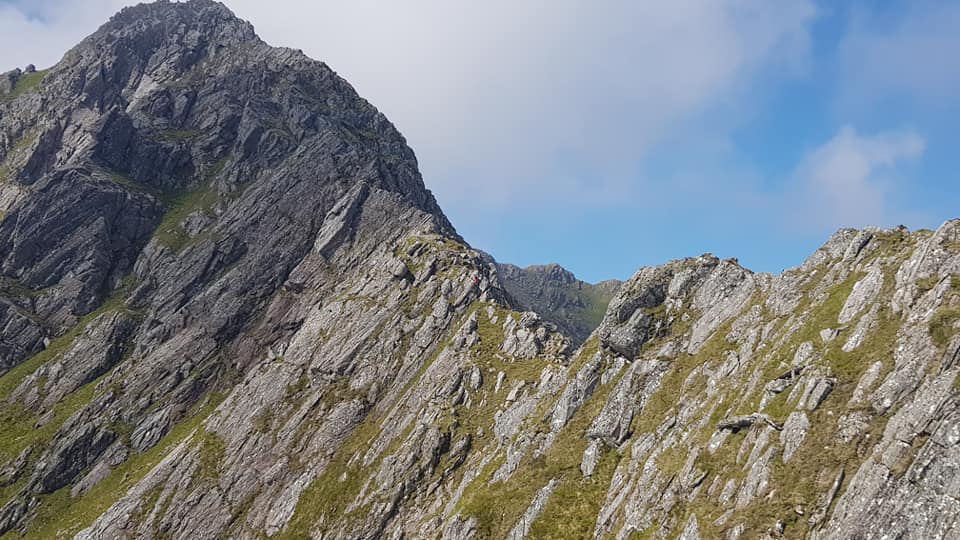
[{"x": 196, "y": 20}]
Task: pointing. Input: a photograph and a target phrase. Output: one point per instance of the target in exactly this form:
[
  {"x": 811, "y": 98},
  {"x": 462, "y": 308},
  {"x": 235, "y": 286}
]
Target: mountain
[
  {"x": 559, "y": 297},
  {"x": 232, "y": 309}
]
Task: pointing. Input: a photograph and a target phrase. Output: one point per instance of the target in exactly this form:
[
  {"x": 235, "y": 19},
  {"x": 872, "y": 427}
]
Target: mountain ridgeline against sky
[
  {"x": 231, "y": 309},
  {"x": 555, "y": 293}
]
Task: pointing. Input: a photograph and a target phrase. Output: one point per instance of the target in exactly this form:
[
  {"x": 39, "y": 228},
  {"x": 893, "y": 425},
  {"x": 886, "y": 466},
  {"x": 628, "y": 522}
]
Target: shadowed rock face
[{"x": 232, "y": 309}]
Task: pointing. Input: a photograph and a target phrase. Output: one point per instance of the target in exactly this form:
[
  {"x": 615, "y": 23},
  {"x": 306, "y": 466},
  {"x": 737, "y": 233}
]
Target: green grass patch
[
  {"x": 927, "y": 283},
  {"x": 165, "y": 197},
  {"x": 179, "y": 135},
  {"x": 879, "y": 344},
  {"x": 487, "y": 351},
  {"x": 572, "y": 509},
  {"x": 60, "y": 515},
  {"x": 723, "y": 464},
  {"x": 498, "y": 506},
  {"x": 647, "y": 534},
  {"x": 778, "y": 408},
  {"x": 122, "y": 429},
  {"x": 20, "y": 429},
  {"x": 821, "y": 316},
  {"x": 671, "y": 460},
  {"x": 340, "y": 390},
  {"x": 13, "y": 288},
  {"x": 211, "y": 455},
  {"x": 180, "y": 204},
  {"x": 170, "y": 231},
  {"x": 891, "y": 242},
  {"x": 664, "y": 399},
  {"x": 214, "y": 169},
  {"x": 27, "y": 82},
  {"x": 589, "y": 348},
  {"x": 943, "y": 325}
]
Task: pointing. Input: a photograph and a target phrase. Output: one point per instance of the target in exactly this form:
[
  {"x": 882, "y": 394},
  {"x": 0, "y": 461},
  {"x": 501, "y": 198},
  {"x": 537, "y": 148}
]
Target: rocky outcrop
[{"x": 233, "y": 310}]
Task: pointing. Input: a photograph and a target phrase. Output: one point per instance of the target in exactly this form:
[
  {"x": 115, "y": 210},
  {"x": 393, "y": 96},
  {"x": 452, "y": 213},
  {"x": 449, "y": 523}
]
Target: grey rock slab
[
  {"x": 828, "y": 334},
  {"x": 866, "y": 382},
  {"x": 576, "y": 392},
  {"x": 818, "y": 388},
  {"x": 794, "y": 431},
  {"x": 590, "y": 457},
  {"x": 757, "y": 481},
  {"x": 691, "y": 531},
  {"x": 863, "y": 293}
]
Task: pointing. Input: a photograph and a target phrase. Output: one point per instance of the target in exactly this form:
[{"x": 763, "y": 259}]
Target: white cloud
[
  {"x": 848, "y": 181},
  {"x": 502, "y": 100}
]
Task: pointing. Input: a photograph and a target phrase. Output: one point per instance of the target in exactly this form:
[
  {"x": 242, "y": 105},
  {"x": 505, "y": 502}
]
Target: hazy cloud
[
  {"x": 41, "y": 31},
  {"x": 848, "y": 181},
  {"x": 542, "y": 100},
  {"x": 912, "y": 54}
]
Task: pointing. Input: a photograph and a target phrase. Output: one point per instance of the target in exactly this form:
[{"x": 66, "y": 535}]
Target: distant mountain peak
[
  {"x": 208, "y": 17},
  {"x": 554, "y": 292}
]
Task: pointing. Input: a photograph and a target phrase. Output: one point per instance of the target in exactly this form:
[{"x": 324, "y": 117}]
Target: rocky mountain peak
[
  {"x": 146, "y": 78},
  {"x": 149, "y": 44},
  {"x": 173, "y": 135},
  {"x": 554, "y": 272},
  {"x": 164, "y": 22}
]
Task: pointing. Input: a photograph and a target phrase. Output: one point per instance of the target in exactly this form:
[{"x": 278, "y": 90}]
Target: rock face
[
  {"x": 231, "y": 309},
  {"x": 576, "y": 307}
]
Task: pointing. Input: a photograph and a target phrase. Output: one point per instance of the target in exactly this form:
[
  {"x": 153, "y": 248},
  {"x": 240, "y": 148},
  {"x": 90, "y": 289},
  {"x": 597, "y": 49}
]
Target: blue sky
[{"x": 613, "y": 134}]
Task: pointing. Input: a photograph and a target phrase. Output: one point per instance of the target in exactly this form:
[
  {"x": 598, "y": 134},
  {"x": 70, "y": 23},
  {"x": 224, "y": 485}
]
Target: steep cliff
[{"x": 231, "y": 309}]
